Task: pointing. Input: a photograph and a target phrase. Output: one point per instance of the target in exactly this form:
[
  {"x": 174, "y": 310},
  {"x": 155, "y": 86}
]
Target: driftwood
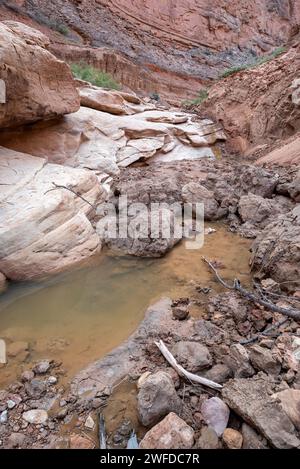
[
  {"x": 264, "y": 333},
  {"x": 182, "y": 372},
  {"x": 102, "y": 433},
  {"x": 289, "y": 312}
]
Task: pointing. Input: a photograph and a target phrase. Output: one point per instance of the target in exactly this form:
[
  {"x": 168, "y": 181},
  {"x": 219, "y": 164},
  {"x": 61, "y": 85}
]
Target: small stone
[
  {"x": 232, "y": 438},
  {"x": 267, "y": 343},
  {"x": 42, "y": 367},
  {"x": 89, "y": 423},
  {"x": 16, "y": 440},
  {"x": 239, "y": 362},
  {"x": 208, "y": 439},
  {"x": 219, "y": 373},
  {"x": 35, "y": 388},
  {"x": 27, "y": 376},
  {"x": 180, "y": 313},
  {"x": 79, "y": 442},
  {"x": 216, "y": 414},
  {"x": 192, "y": 355},
  {"x": 194, "y": 401},
  {"x": 52, "y": 380},
  {"x": 4, "y": 416},
  {"x": 171, "y": 433},
  {"x": 251, "y": 439},
  {"x": 35, "y": 416},
  {"x": 62, "y": 413},
  {"x": 262, "y": 359},
  {"x": 11, "y": 404}
]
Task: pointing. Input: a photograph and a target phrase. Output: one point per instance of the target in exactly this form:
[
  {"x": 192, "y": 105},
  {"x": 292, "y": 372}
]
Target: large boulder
[
  {"x": 258, "y": 210},
  {"x": 35, "y": 84},
  {"x": 157, "y": 397},
  {"x": 195, "y": 193},
  {"x": 276, "y": 251},
  {"x": 290, "y": 402},
  {"x": 251, "y": 399},
  {"x": 45, "y": 229},
  {"x": 171, "y": 433}
]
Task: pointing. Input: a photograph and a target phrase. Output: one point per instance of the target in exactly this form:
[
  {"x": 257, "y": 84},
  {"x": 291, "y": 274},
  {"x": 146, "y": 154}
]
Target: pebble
[
  {"x": 42, "y": 367},
  {"x": 52, "y": 380},
  {"x": 27, "y": 376},
  {"x": 4, "y": 416},
  {"x": 11, "y": 404},
  {"x": 35, "y": 416},
  {"x": 232, "y": 438},
  {"x": 89, "y": 423}
]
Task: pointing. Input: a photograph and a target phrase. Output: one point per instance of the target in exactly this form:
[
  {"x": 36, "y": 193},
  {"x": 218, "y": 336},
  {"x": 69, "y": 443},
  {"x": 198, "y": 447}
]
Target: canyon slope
[{"x": 171, "y": 48}]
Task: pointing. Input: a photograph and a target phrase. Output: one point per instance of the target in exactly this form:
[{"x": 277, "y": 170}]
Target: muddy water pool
[{"x": 78, "y": 317}]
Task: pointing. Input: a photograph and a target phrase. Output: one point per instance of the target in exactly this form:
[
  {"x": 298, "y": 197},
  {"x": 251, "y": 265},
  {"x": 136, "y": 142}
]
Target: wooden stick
[
  {"x": 289, "y": 312},
  {"x": 182, "y": 372},
  {"x": 264, "y": 333},
  {"x": 58, "y": 186}
]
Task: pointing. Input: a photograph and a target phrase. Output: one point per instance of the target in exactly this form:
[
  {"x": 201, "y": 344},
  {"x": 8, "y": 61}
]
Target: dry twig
[{"x": 289, "y": 312}]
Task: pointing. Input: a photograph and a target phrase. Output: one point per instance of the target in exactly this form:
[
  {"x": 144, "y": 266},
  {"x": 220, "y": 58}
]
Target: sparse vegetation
[
  {"x": 202, "y": 96},
  {"x": 96, "y": 77},
  {"x": 258, "y": 61},
  {"x": 40, "y": 18}
]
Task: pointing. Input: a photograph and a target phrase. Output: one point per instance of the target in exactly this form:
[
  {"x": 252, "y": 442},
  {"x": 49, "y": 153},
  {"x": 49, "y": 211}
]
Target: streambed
[{"x": 79, "y": 316}]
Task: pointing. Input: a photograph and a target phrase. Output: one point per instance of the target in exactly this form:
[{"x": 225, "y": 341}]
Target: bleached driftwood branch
[
  {"x": 289, "y": 312},
  {"x": 182, "y": 372}
]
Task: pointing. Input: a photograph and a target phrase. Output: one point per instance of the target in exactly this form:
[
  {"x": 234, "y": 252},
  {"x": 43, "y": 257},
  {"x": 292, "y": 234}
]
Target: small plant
[
  {"x": 62, "y": 29},
  {"x": 258, "y": 61},
  {"x": 96, "y": 77},
  {"x": 202, "y": 96},
  {"x": 233, "y": 70}
]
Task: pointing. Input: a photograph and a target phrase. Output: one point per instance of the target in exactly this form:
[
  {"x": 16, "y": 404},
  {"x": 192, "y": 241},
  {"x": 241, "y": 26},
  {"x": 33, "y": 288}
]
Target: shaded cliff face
[{"x": 170, "y": 39}]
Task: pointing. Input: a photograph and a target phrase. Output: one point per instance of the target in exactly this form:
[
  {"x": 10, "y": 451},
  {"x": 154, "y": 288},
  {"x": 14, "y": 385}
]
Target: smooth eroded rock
[{"x": 37, "y": 84}]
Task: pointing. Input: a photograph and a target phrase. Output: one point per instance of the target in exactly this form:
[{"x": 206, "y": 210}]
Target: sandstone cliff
[{"x": 154, "y": 46}]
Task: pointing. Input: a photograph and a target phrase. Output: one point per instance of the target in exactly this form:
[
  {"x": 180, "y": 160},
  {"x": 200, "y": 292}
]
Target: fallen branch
[
  {"x": 289, "y": 312},
  {"x": 264, "y": 333},
  {"x": 58, "y": 186},
  {"x": 182, "y": 372}
]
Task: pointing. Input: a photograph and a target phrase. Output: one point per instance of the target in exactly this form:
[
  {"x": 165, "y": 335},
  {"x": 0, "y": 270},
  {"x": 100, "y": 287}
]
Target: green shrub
[
  {"x": 258, "y": 61},
  {"x": 96, "y": 77},
  {"x": 202, "y": 96},
  {"x": 233, "y": 70},
  {"x": 61, "y": 28}
]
